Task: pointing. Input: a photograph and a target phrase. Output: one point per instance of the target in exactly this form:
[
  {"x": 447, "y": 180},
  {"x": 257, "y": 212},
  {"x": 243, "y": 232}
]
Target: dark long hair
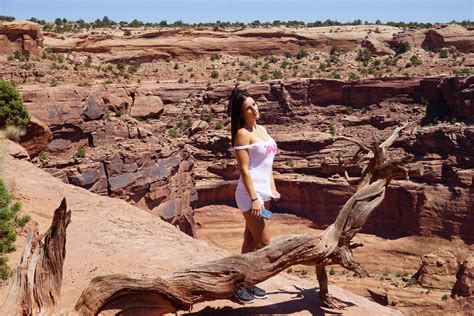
[{"x": 236, "y": 100}]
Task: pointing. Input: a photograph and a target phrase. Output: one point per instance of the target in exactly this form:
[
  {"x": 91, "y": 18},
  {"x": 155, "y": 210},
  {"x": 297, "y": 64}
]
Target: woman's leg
[
  {"x": 248, "y": 239},
  {"x": 258, "y": 230}
]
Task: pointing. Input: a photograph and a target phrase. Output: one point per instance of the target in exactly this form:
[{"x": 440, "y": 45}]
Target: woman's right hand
[{"x": 256, "y": 208}]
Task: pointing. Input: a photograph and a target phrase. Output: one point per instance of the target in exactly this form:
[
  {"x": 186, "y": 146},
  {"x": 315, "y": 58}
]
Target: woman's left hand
[{"x": 276, "y": 195}]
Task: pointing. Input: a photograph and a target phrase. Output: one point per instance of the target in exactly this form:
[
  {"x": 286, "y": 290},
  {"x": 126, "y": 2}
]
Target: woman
[{"x": 254, "y": 150}]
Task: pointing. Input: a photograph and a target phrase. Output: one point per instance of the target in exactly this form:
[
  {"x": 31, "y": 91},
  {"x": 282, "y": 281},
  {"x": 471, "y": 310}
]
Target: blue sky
[{"x": 192, "y": 11}]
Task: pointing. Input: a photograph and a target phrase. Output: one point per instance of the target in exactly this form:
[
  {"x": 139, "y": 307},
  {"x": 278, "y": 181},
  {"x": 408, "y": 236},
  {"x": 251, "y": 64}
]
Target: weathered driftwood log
[
  {"x": 36, "y": 285},
  {"x": 221, "y": 278}
]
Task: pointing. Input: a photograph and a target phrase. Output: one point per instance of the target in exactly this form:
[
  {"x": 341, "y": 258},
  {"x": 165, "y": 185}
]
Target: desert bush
[
  {"x": 214, "y": 74},
  {"x": 127, "y": 33},
  {"x": 302, "y": 53},
  {"x": 12, "y": 110},
  {"x": 402, "y": 48},
  {"x": 9, "y": 221},
  {"x": 285, "y": 64},
  {"x": 80, "y": 152},
  {"x": 264, "y": 76},
  {"x": 335, "y": 75},
  {"x": 415, "y": 61},
  {"x": 12, "y": 133},
  {"x": 277, "y": 74},
  {"x": 443, "y": 53},
  {"x": 364, "y": 55},
  {"x": 216, "y": 56}
]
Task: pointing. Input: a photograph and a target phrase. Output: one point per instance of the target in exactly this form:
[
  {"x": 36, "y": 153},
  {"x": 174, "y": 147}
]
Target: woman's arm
[
  {"x": 243, "y": 161},
  {"x": 276, "y": 194}
]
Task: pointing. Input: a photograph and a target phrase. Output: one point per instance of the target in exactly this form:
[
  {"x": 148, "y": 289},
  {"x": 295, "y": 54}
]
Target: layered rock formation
[
  {"x": 20, "y": 36},
  {"x": 122, "y": 158},
  {"x": 98, "y": 146},
  {"x": 194, "y": 43}
]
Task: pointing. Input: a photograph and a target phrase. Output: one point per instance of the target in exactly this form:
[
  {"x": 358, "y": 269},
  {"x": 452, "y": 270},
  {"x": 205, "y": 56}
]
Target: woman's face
[{"x": 250, "y": 110}]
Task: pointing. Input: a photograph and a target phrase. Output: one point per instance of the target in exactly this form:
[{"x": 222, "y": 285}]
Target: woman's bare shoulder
[{"x": 242, "y": 137}]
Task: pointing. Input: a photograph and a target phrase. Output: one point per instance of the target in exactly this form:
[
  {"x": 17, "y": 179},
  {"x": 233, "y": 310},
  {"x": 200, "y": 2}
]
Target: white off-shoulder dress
[{"x": 261, "y": 157}]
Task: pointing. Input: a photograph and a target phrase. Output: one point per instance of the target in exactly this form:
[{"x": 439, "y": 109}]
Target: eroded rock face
[
  {"x": 438, "y": 270},
  {"x": 302, "y": 115},
  {"x": 450, "y": 35},
  {"x": 197, "y": 43},
  {"x": 22, "y": 36},
  {"x": 465, "y": 278},
  {"x": 99, "y": 146},
  {"x": 37, "y": 137}
]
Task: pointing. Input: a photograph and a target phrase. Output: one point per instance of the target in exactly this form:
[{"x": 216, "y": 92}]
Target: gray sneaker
[
  {"x": 243, "y": 296},
  {"x": 257, "y": 292}
]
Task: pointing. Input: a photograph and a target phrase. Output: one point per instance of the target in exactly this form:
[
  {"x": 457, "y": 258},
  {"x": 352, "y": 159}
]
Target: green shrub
[
  {"x": 288, "y": 55},
  {"x": 83, "y": 84},
  {"x": 172, "y": 132},
  {"x": 273, "y": 59},
  {"x": 289, "y": 162},
  {"x": 335, "y": 75},
  {"x": 12, "y": 110},
  {"x": 285, "y": 64},
  {"x": 352, "y": 76},
  {"x": 80, "y": 152},
  {"x": 304, "y": 272},
  {"x": 134, "y": 65},
  {"x": 277, "y": 74},
  {"x": 415, "y": 61},
  {"x": 54, "y": 82},
  {"x": 176, "y": 66},
  {"x": 332, "y": 271},
  {"x": 88, "y": 61},
  {"x": 445, "y": 297},
  {"x": 402, "y": 48},
  {"x": 462, "y": 72},
  {"x": 264, "y": 76},
  {"x": 302, "y": 53},
  {"x": 108, "y": 81},
  {"x": 9, "y": 221},
  {"x": 364, "y": 55},
  {"x": 216, "y": 56},
  {"x": 214, "y": 74},
  {"x": 335, "y": 51},
  {"x": 127, "y": 33},
  {"x": 443, "y": 53},
  {"x": 43, "y": 155},
  {"x": 219, "y": 125},
  {"x": 390, "y": 61}
]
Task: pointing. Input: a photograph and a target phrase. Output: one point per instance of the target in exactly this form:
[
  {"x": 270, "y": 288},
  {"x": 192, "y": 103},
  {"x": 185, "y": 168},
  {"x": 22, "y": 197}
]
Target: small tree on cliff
[
  {"x": 9, "y": 221},
  {"x": 12, "y": 110}
]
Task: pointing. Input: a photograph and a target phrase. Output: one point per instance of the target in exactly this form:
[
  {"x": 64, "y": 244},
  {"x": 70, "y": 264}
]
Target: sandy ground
[{"x": 391, "y": 262}]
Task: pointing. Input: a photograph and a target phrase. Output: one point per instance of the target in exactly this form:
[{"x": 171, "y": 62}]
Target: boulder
[{"x": 438, "y": 270}]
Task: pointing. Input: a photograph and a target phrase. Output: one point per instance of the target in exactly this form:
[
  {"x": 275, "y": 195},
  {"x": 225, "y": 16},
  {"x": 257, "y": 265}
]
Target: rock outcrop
[
  {"x": 20, "y": 36},
  {"x": 438, "y": 270},
  {"x": 300, "y": 114},
  {"x": 197, "y": 43},
  {"x": 464, "y": 285},
  {"x": 97, "y": 145},
  {"x": 37, "y": 137}
]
